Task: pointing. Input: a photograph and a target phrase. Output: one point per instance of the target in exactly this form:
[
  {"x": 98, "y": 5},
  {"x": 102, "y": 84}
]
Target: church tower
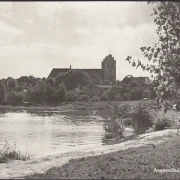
[{"x": 109, "y": 69}]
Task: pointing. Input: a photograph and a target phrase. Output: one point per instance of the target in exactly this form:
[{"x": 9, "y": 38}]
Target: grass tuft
[{"x": 10, "y": 153}]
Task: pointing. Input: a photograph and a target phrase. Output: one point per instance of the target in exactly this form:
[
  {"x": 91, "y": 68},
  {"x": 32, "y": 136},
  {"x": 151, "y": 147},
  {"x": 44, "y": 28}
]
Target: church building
[{"x": 107, "y": 73}]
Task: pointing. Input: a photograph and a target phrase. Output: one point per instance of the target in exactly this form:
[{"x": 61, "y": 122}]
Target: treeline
[{"x": 69, "y": 86}]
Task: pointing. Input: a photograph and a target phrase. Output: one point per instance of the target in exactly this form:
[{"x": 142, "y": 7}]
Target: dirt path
[{"x": 18, "y": 169}]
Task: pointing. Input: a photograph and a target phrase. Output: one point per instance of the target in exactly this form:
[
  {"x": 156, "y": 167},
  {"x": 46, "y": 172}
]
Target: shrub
[
  {"x": 16, "y": 97},
  {"x": 146, "y": 94},
  {"x": 126, "y": 96},
  {"x": 141, "y": 118},
  {"x": 150, "y": 130},
  {"x": 104, "y": 97},
  {"x": 114, "y": 129},
  {"x": 95, "y": 98},
  {"x": 61, "y": 92},
  {"x": 111, "y": 95},
  {"x": 71, "y": 96},
  {"x": 10, "y": 153},
  {"x": 2, "y": 92},
  {"x": 84, "y": 98},
  {"x": 124, "y": 110},
  {"x": 162, "y": 121}
]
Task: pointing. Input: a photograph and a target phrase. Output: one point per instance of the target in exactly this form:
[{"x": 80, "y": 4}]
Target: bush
[
  {"x": 111, "y": 95},
  {"x": 71, "y": 96},
  {"x": 146, "y": 94},
  {"x": 16, "y": 97},
  {"x": 10, "y": 153},
  {"x": 2, "y": 92},
  {"x": 95, "y": 98},
  {"x": 61, "y": 92},
  {"x": 85, "y": 98},
  {"x": 161, "y": 121},
  {"x": 104, "y": 97},
  {"x": 124, "y": 110},
  {"x": 126, "y": 96},
  {"x": 141, "y": 118},
  {"x": 114, "y": 129}
]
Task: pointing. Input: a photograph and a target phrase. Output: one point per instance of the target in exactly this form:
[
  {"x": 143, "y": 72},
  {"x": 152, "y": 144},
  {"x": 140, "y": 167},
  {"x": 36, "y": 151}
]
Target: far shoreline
[{"x": 64, "y": 106}]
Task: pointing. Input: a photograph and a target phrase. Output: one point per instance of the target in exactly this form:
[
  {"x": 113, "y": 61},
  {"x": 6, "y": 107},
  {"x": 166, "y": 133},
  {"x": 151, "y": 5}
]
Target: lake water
[{"x": 47, "y": 133}]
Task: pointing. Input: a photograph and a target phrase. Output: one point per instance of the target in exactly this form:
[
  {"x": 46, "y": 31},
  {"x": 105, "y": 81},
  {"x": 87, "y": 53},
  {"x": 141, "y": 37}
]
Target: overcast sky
[{"x": 38, "y": 36}]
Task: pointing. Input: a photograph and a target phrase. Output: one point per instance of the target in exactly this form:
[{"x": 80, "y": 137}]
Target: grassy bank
[
  {"x": 133, "y": 163},
  {"x": 60, "y": 107}
]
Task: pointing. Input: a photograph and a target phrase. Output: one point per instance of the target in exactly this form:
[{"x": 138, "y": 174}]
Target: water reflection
[{"x": 46, "y": 133}]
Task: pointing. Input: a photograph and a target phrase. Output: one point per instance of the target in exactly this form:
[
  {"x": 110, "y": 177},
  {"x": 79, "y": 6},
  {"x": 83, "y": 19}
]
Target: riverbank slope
[
  {"x": 84, "y": 167},
  {"x": 137, "y": 162}
]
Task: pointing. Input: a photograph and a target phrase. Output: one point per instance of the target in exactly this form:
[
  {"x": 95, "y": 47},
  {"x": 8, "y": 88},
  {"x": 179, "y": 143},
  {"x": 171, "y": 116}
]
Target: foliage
[
  {"x": 71, "y": 95},
  {"x": 15, "y": 97},
  {"x": 136, "y": 94},
  {"x": 74, "y": 79},
  {"x": 111, "y": 95},
  {"x": 95, "y": 78},
  {"x": 11, "y": 84},
  {"x": 164, "y": 57},
  {"x": 133, "y": 84},
  {"x": 83, "y": 97},
  {"x": 163, "y": 120},
  {"x": 116, "y": 127},
  {"x": 52, "y": 91},
  {"x": 10, "y": 153},
  {"x": 123, "y": 110},
  {"x": 95, "y": 98},
  {"x": 37, "y": 94},
  {"x": 127, "y": 96},
  {"x": 146, "y": 94},
  {"x": 104, "y": 97},
  {"x": 2, "y": 92},
  {"x": 141, "y": 118},
  {"x": 61, "y": 93}
]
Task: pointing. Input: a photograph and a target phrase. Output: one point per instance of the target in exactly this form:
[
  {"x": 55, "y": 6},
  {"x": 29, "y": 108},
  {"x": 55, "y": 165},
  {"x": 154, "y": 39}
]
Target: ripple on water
[{"x": 47, "y": 133}]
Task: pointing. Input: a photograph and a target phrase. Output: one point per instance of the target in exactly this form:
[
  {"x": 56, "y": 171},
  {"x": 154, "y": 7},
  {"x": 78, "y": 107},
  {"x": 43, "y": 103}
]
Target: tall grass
[
  {"x": 163, "y": 120},
  {"x": 115, "y": 129},
  {"x": 11, "y": 153},
  {"x": 142, "y": 116}
]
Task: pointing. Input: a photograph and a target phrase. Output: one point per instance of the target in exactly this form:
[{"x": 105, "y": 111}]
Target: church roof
[{"x": 56, "y": 71}]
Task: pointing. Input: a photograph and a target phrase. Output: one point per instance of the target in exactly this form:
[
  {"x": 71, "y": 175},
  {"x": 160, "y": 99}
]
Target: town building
[{"x": 107, "y": 73}]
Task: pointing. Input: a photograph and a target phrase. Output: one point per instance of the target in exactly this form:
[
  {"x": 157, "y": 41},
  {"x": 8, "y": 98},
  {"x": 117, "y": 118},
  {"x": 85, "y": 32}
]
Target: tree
[
  {"x": 37, "y": 94},
  {"x": 74, "y": 79},
  {"x": 111, "y": 95},
  {"x": 123, "y": 89},
  {"x": 146, "y": 94},
  {"x": 2, "y": 92},
  {"x": 61, "y": 92},
  {"x": 164, "y": 57},
  {"x": 51, "y": 82},
  {"x": 15, "y": 97},
  {"x": 84, "y": 97},
  {"x": 11, "y": 84},
  {"x": 104, "y": 97},
  {"x": 133, "y": 84},
  {"x": 136, "y": 93},
  {"x": 127, "y": 96}
]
